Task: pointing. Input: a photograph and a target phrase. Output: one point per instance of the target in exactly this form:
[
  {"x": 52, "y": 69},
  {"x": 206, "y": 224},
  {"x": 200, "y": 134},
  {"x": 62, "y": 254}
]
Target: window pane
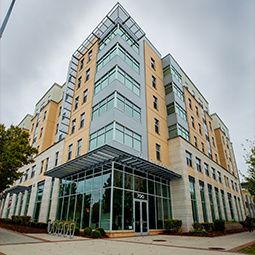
[{"x": 117, "y": 210}]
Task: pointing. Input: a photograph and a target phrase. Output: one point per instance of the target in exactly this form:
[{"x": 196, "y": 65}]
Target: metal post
[{"x": 6, "y": 18}]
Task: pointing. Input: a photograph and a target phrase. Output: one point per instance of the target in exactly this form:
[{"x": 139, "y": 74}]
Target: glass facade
[
  {"x": 105, "y": 196},
  {"x": 38, "y": 201},
  {"x": 211, "y": 201},
  {"x": 218, "y": 202},
  {"x": 224, "y": 205},
  {"x": 231, "y": 206}
]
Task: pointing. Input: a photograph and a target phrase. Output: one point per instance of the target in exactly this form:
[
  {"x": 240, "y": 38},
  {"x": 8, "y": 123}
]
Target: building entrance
[{"x": 141, "y": 217}]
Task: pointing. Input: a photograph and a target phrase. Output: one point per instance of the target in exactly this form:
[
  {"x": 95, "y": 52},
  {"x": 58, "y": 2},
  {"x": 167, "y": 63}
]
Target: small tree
[
  {"x": 250, "y": 161},
  {"x": 15, "y": 152}
]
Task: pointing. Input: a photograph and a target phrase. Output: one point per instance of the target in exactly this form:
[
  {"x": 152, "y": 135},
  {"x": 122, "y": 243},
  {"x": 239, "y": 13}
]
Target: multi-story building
[{"x": 126, "y": 142}]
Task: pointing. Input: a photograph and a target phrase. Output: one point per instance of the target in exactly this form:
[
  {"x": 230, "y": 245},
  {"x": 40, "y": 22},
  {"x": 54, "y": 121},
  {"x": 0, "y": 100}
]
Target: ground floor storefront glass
[{"x": 115, "y": 197}]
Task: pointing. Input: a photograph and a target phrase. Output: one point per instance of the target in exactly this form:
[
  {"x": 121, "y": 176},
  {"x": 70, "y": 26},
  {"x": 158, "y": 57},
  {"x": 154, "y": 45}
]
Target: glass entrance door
[{"x": 141, "y": 217}]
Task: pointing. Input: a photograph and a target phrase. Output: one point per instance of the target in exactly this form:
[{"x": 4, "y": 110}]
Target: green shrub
[
  {"x": 172, "y": 225},
  {"x": 25, "y": 220},
  {"x": 16, "y": 219},
  {"x": 7, "y": 220},
  {"x": 207, "y": 226},
  {"x": 87, "y": 231},
  {"x": 42, "y": 225},
  {"x": 219, "y": 225},
  {"x": 197, "y": 226},
  {"x": 198, "y": 231},
  {"x": 101, "y": 230},
  {"x": 96, "y": 234},
  {"x": 77, "y": 231}
]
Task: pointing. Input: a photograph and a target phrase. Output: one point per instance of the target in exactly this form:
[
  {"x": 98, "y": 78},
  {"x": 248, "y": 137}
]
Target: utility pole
[{"x": 6, "y": 18}]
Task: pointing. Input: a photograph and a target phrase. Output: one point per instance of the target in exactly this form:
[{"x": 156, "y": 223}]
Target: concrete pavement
[{"x": 149, "y": 245}]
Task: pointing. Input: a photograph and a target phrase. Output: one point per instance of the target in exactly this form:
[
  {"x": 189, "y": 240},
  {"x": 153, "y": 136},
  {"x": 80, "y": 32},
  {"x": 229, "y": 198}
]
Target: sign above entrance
[{"x": 140, "y": 196}]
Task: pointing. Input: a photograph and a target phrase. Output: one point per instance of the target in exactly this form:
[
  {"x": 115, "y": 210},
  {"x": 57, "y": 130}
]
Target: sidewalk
[{"x": 43, "y": 244}]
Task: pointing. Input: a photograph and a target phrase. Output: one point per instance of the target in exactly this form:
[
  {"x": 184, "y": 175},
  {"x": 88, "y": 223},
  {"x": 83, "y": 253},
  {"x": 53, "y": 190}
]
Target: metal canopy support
[{"x": 106, "y": 154}]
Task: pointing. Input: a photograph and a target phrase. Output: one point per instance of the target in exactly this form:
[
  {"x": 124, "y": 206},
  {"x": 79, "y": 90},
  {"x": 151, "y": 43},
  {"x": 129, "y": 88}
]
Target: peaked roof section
[{"x": 116, "y": 15}]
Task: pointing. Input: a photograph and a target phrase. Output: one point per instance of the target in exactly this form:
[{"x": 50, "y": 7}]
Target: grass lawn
[{"x": 248, "y": 250}]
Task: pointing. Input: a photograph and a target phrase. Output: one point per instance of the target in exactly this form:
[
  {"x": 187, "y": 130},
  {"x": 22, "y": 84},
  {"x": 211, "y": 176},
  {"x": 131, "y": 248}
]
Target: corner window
[
  {"x": 156, "y": 123},
  {"x": 188, "y": 159},
  {"x": 155, "y": 102},
  {"x": 41, "y": 132},
  {"x": 153, "y": 63},
  {"x": 157, "y": 151},
  {"x": 197, "y": 111},
  {"x": 190, "y": 105},
  {"x": 44, "y": 117},
  {"x": 56, "y": 129},
  {"x": 199, "y": 128}
]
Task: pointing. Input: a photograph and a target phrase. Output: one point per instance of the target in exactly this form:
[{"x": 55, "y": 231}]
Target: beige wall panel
[
  {"x": 152, "y": 113},
  {"x": 82, "y": 107}
]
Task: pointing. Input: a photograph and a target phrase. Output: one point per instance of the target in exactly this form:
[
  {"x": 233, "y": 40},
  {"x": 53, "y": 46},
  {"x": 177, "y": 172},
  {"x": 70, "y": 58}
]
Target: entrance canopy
[
  {"x": 16, "y": 189},
  {"x": 106, "y": 154}
]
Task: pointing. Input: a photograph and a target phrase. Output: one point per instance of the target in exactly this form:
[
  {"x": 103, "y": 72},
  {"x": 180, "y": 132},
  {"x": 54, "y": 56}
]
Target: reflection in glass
[
  {"x": 159, "y": 213},
  {"x": 137, "y": 217},
  {"x": 78, "y": 209},
  {"x": 152, "y": 215},
  {"x": 128, "y": 210},
  {"x": 118, "y": 179},
  {"x": 105, "y": 209},
  {"x": 86, "y": 210},
  {"x": 128, "y": 181},
  {"x": 95, "y": 209},
  {"x": 117, "y": 210},
  {"x": 71, "y": 208}
]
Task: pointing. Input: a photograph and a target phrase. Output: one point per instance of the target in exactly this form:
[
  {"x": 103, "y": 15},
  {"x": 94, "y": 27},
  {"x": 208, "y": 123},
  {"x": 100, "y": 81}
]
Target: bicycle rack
[{"x": 60, "y": 228}]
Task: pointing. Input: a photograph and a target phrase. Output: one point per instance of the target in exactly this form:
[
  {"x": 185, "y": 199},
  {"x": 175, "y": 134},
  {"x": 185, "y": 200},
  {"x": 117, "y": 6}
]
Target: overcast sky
[{"x": 212, "y": 40}]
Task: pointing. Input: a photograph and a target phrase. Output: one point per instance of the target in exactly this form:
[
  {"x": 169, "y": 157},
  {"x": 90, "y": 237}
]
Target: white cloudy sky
[{"x": 213, "y": 41}]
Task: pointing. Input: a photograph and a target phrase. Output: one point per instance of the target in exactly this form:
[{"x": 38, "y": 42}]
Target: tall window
[
  {"x": 190, "y": 106},
  {"x": 82, "y": 120},
  {"x": 47, "y": 164},
  {"x": 157, "y": 151},
  {"x": 27, "y": 173},
  {"x": 224, "y": 205},
  {"x": 213, "y": 142},
  {"x": 41, "y": 132},
  {"x": 192, "y": 122},
  {"x": 87, "y": 74},
  {"x": 219, "y": 176},
  {"x": 79, "y": 82},
  {"x": 59, "y": 111},
  {"x": 188, "y": 159},
  {"x": 153, "y": 63},
  {"x": 56, "y": 158},
  {"x": 195, "y": 140},
  {"x": 198, "y": 163},
  {"x": 44, "y": 116},
  {"x": 38, "y": 201},
  {"x": 156, "y": 122},
  {"x": 203, "y": 201},
  {"x": 90, "y": 56},
  {"x": 218, "y": 202},
  {"x": 203, "y": 147},
  {"x": 82, "y": 63},
  {"x": 211, "y": 201},
  {"x": 155, "y": 102},
  {"x": 231, "y": 206},
  {"x": 199, "y": 128},
  {"x": 79, "y": 147},
  {"x": 33, "y": 172},
  {"x": 76, "y": 103},
  {"x": 213, "y": 173},
  {"x": 56, "y": 129},
  {"x": 206, "y": 169},
  {"x": 193, "y": 198},
  {"x": 73, "y": 126},
  {"x": 85, "y": 94},
  {"x": 41, "y": 170},
  {"x": 153, "y": 81},
  {"x": 70, "y": 151},
  {"x": 197, "y": 111}
]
